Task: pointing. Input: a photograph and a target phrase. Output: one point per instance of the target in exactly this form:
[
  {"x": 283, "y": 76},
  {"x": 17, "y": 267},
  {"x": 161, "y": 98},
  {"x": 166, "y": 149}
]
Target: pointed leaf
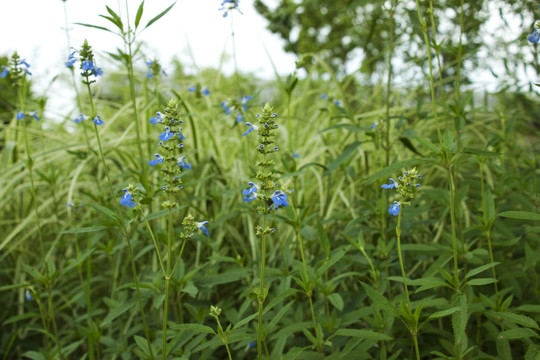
[
  {"x": 427, "y": 143},
  {"x": 202, "y": 329},
  {"x": 517, "y": 333},
  {"x": 380, "y": 300},
  {"x": 518, "y": 319},
  {"x": 524, "y": 215},
  {"x": 391, "y": 169},
  {"x": 479, "y": 269},
  {"x": 139, "y": 15},
  {"x": 364, "y": 334},
  {"x": 119, "y": 310},
  {"x": 336, "y": 300},
  {"x": 159, "y": 16},
  {"x": 94, "y": 26}
]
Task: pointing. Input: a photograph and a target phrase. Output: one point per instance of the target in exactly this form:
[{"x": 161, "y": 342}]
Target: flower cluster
[
  {"x": 20, "y": 115},
  {"x": 154, "y": 68},
  {"x": 406, "y": 186},
  {"x": 203, "y": 91},
  {"x": 16, "y": 70},
  {"x": 229, "y": 5},
  {"x": 237, "y": 107},
  {"x": 265, "y": 176},
  {"x": 171, "y": 145},
  {"x": 127, "y": 199},
  {"x": 190, "y": 226},
  {"x": 97, "y": 119},
  {"x": 88, "y": 63}
]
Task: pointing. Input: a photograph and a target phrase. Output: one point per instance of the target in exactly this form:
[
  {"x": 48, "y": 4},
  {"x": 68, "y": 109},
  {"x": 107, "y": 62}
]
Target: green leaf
[
  {"x": 440, "y": 314},
  {"x": 448, "y": 140},
  {"x": 293, "y": 353},
  {"x": 518, "y": 319},
  {"x": 408, "y": 144},
  {"x": 481, "y": 281},
  {"x": 139, "y": 15},
  {"x": 523, "y": 215},
  {"x": 142, "y": 343},
  {"x": 479, "y": 269},
  {"x": 427, "y": 143},
  {"x": 160, "y": 15},
  {"x": 323, "y": 238},
  {"x": 85, "y": 230},
  {"x": 344, "y": 156},
  {"x": 119, "y": 310},
  {"x": 24, "y": 316},
  {"x": 202, "y": 329},
  {"x": 490, "y": 207},
  {"x": 34, "y": 355},
  {"x": 459, "y": 321},
  {"x": 94, "y": 26},
  {"x": 336, "y": 300},
  {"x": 106, "y": 211},
  {"x": 245, "y": 320},
  {"x": 391, "y": 169},
  {"x": 338, "y": 254},
  {"x": 517, "y": 333},
  {"x": 114, "y": 21},
  {"x": 380, "y": 300},
  {"x": 364, "y": 334},
  {"x": 480, "y": 152}
]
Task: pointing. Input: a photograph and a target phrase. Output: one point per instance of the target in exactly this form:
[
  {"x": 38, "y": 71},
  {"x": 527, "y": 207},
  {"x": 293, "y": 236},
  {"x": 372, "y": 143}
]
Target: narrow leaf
[
  {"x": 203, "y": 329},
  {"x": 427, "y": 143},
  {"x": 119, "y": 310},
  {"x": 517, "y": 333},
  {"x": 380, "y": 300},
  {"x": 159, "y": 16},
  {"x": 391, "y": 169},
  {"x": 518, "y": 319},
  {"x": 139, "y": 15},
  {"x": 479, "y": 269},
  {"x": 364, "y": 334},
  {"x": 336, "y": 300},
  {"x": 94, "y": 26},
  {"x": 524, "y": 215}
]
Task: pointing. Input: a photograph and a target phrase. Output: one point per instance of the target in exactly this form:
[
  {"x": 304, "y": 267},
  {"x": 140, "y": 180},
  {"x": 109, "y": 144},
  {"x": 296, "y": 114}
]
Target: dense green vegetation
[{"x": 322, "y": 256}]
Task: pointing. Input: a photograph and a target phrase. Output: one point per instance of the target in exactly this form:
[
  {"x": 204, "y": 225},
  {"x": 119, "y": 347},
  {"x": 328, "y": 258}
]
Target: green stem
[
  {"x": 453, "y": 225},
  {"x": 170, "y": 239},
  {"x": 428, "y": 47},
  {"x": 487, "y": 229},
  {"x": 155, "y": 243},
  {"x": 261, "y": 296},
  {"x": 138, "y": 288},
  {"x": 53, "y": 319},
  {"x": 414, "y": 331}
]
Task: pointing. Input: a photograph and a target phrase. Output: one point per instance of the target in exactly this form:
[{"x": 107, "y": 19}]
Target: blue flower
[
  {"x": 392, "y": 184},
  {"x": 228, "y": 5},
  {"x": 5, "y": 71},
  {"x": 279, "y": 198},
  {"x": 373, "y": 125},
  {"x": 98, "y": 72},
  {"x": 324, "y": 96},
  {"x": 251, "y": 128},
  {"x": 337, "y": 102},
  {"x": 166, "y": 135},
  {"x": 88, "y": 65},
  {"x": 192, "y": 89},
  {"x": 244, "y": 101},
  {"x": 394, "y": 209},
  {"x": 71, "y": 59},
  {"x": 28, "y": 295},
  {"x": 127, "y": 200},
  {"x": 183, "y": 164},
  {"x": 295, "y": 155},
  {"x": 534, "y": 37},
  {"x": 202, "y": 227},
  {"x": 97, "y": 120},
  {"x": 156, "y": 161},
  {"x": 34, "y": 114},
  {"x": 20, "y": 115},
  {"x": 239, "y": 117},
  {"x": 227, "y": 108},
  {"x": 253, "y": 189},
  {"x": 205, "y": 91},
  {"x": 158, "y": 119},
  {"x": 80, "y": 118}
]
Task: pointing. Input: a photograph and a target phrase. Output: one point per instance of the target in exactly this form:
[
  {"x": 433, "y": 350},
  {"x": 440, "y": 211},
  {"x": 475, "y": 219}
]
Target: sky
[{"x": 192, "y": 31}]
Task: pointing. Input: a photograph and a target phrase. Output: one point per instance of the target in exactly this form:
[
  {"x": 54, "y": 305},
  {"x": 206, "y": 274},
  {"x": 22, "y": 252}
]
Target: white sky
[{"x": 36, "y": 30}]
